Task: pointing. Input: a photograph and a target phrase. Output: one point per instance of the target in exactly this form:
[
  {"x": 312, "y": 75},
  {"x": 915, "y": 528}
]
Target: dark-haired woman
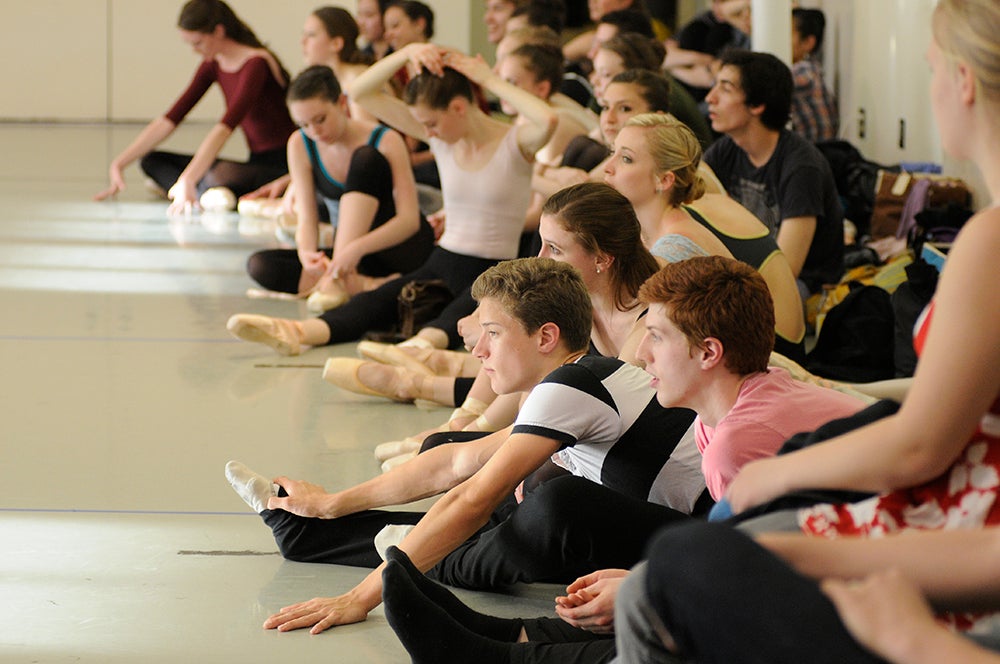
[
  {"x": 253, "y": 82},
  {"x": 330, "y": 37},
  {"x": 361, "y": 172},
  {"x": 485, "y": 166},
  {"x": 369, "y": 17}
]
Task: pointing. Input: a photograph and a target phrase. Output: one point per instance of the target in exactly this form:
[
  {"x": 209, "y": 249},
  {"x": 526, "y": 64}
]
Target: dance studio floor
[{"x": 123, "y": 396}]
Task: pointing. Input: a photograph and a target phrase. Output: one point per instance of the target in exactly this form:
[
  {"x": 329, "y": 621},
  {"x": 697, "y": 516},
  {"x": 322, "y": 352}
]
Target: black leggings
[
  {"x": 379, "y": 309},
  {"x": 724, "y": 598},
  {"x": 280, "y": 269},
  {"x": 240, "y": 177},
  {"x": 567, "y": 527}
]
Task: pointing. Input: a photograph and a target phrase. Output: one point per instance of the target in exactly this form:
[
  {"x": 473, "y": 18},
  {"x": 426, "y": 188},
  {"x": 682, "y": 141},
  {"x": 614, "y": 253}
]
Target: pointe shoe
[
  {"x": 392, "y": 354},
  {"x": 330, "y": 296},
  {"x": 287, "y": 221},
  {"x": 452, "y": 363},
  {"x": 386, "y": 451},
  {"x": 266, "y": 208},
  {"x": 218, "y": 199},
  {"x": 280, "y": 334},
  {"x": 343, "y": 372},
  {"x": 429, "y": 361}
]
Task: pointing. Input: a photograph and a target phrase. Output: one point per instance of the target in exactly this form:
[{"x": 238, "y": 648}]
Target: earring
[{"x": 598, "y": 270}]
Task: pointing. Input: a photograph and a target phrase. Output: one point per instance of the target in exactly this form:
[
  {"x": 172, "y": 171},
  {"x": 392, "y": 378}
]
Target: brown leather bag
[
  {"x": 421, "y": 302},
  {"x": 893, "y": 189}
]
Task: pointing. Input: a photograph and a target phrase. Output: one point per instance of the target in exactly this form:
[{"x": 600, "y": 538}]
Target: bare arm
[
  {"x": 578, "y": 47},
  {"x": 540, "y": 116},
  {"x": 893, "y": 388},
  {"x": 355, "y": 238},
  {"x": 887, "y": 614},
  {"x": 452, "y": 519},
  {"x": 567, "y": 128},
  {"x": 546, "y": 181},
  {"x": 967, "y": 580},
  {"x": 698, "y": 76},
  {"x": 466, "y": 508},
  {"x": 795, "y": 236},
  {"x": 369, "y": 89},
  {"x": 957, "y": 379},
  {"x": 152, "y": 135},
  {"x": 681, "y": 57},
  {"x": 273, "y": 189},
  {"x": 429, "y": 474},
  {"x": 586, "y": 117},
  {"x": 314, "y": 262}
]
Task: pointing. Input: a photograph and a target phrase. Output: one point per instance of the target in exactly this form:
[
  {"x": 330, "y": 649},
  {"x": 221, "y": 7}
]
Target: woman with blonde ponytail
[{"x": 655, "y": 165}]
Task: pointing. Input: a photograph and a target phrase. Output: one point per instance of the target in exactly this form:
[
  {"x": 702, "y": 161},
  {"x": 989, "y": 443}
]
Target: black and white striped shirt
[{"x": 611, "y": 430}]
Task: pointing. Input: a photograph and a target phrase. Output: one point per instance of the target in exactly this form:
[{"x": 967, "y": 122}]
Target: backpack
[
  {"x": 908, "y": 302},
  {"x": 856, "y": 341},
  {"x": 855, "y": 178}
]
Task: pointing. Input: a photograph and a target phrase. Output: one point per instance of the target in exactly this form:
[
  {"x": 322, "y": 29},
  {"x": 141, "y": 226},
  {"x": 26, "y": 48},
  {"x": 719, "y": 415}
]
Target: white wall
[
  {"x": 98, "y": 60},
  {"x": 54, "y": 63}
]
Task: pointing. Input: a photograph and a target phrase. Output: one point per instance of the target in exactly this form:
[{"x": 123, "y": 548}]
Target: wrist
[
  {"x": 330, "y": 507},
  {"x": 368, "y": 593},
  {"x": 919, "y": 645}
]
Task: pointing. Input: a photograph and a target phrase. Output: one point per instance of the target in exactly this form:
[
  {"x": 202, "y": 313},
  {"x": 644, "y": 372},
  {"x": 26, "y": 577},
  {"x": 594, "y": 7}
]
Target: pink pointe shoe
[
  {"x": 343, "y": 372},
  {"x": 280, "y": 334}
]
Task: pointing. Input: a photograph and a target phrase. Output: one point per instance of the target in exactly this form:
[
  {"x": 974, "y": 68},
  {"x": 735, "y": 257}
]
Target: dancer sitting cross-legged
[
  {"x": 485, "y": 167},
  {"x": 253, "y": 82},
  {"x": 361, "y": 172}
]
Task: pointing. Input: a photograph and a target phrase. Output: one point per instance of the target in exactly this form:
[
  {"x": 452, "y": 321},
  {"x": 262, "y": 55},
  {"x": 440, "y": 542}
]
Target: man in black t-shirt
[{"x": 774, "y": 173}]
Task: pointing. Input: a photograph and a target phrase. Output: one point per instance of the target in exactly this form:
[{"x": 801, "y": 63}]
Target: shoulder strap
[
  {"x": 375, "y": 137},
  {"x": 310, "y": 146}
]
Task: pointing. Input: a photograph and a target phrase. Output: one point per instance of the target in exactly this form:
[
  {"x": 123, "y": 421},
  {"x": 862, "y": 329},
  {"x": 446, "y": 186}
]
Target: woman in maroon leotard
[{"x": 253, "y": 82}]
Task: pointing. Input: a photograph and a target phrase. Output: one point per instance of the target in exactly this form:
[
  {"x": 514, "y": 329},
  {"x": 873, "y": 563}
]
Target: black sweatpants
[
  {"x": 567, "y": 527},
  {"x": 725, "y": 598}
]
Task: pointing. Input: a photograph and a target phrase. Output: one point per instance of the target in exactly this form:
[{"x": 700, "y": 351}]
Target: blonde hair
[
  {"x": 674, "y": 149},
  {"x": 967, "y": 30},
  {"x": 534, "y": 34}
]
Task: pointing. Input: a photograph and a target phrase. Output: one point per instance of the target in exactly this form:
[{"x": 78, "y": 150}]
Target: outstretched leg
[{"x": 348, "y": 540}]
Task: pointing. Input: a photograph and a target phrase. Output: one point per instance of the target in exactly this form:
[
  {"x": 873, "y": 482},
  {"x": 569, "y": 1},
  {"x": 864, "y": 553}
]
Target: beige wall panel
[
  {"x": 151, "y": 66},
  {"x": 54, "y": 64},
  {"x": 123, "y": 60}
]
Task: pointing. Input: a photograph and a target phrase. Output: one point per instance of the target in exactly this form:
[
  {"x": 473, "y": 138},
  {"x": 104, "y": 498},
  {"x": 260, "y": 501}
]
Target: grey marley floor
[{"x": 122, "y": 398}]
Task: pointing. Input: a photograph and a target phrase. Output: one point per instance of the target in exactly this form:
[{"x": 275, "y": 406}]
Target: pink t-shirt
[{"x": 770, "y": 409}]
